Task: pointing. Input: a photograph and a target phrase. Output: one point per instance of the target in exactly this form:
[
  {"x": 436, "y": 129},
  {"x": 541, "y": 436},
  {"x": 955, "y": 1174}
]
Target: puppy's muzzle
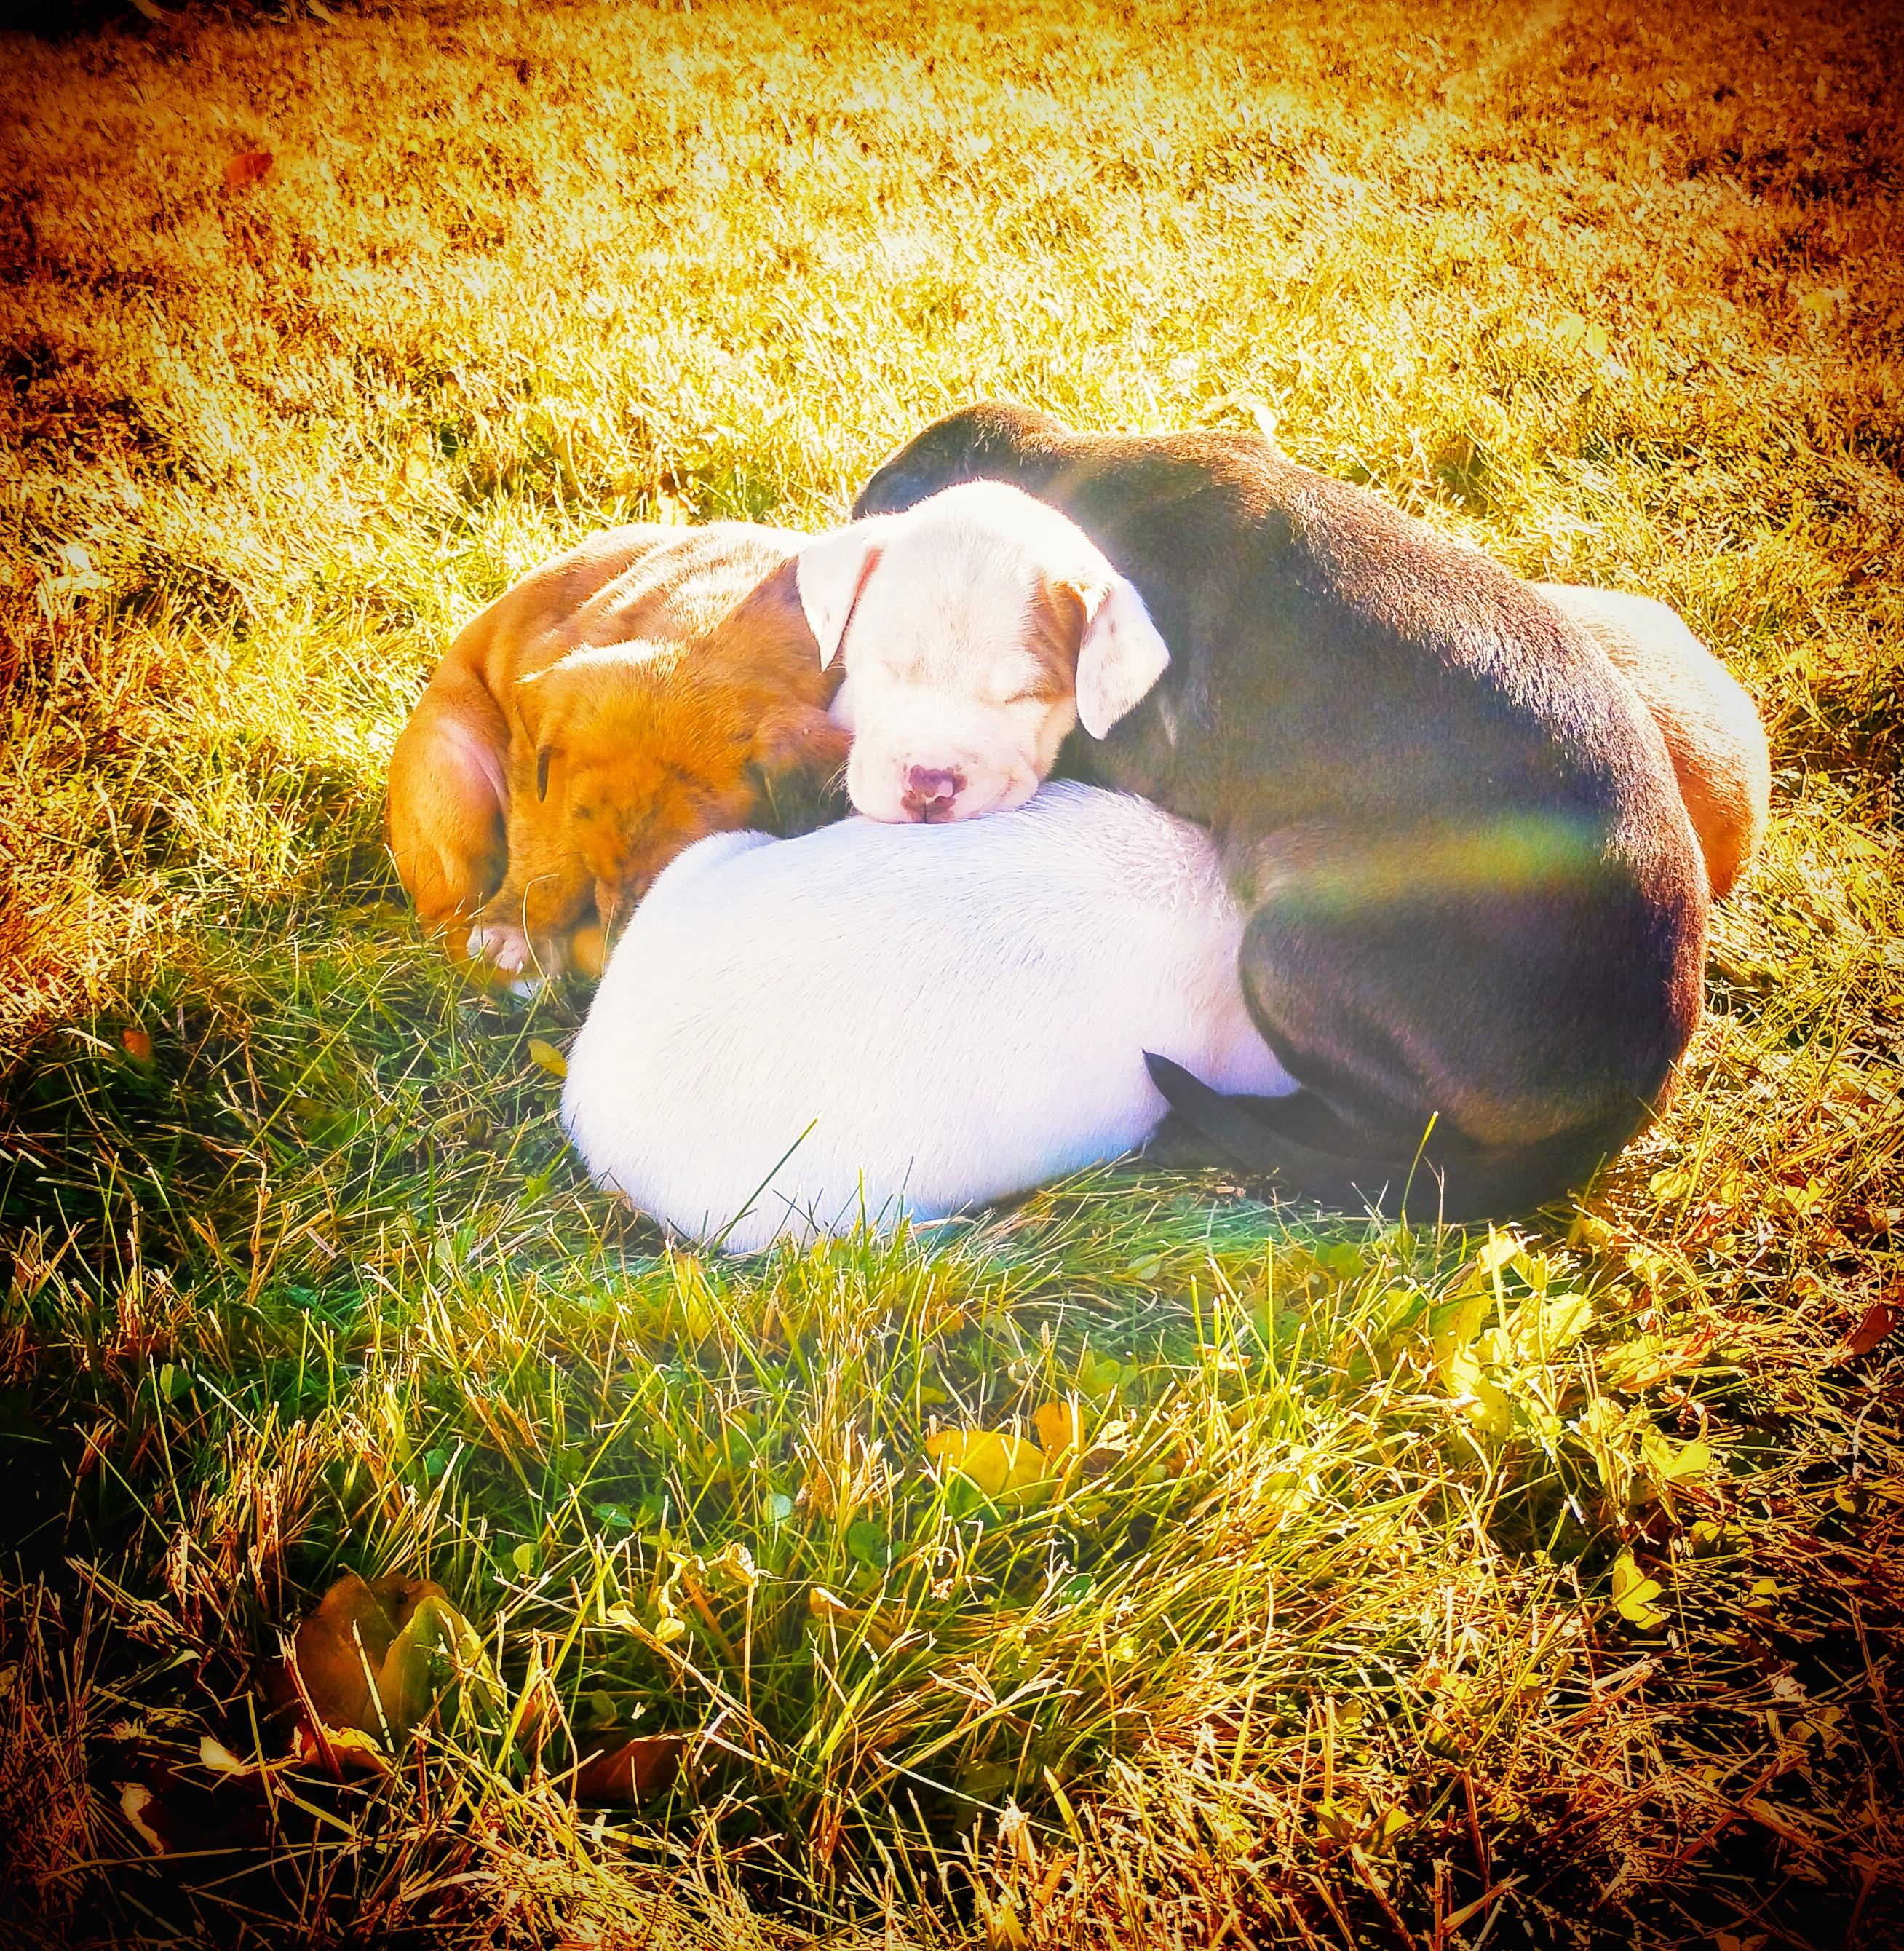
[{"x": 931, "y": 793}]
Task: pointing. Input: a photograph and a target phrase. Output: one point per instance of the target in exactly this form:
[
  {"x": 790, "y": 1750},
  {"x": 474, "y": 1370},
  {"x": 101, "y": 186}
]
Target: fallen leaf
[
  {"x": 137, "y": 1044},
  {"x": 248, "y": 166},
  {"x": 1061, "y": 1427},
  {"x": 1878, "y": 1224},
  {"x": 136, "y": 1804},
  {"x": 995, "y": 1462},
  {"x": 214, "y": 1755},
  {"x": 1633, "y": 1593},
  {"x": 1879, "y": 1320},
  {"x": 376, "y": 1657},
  {"x": 631, "y": 1771},
  {"x": 1670, "y": 1462},
  {"x": 548, "y": 1057},
  {"x": 1637, "y": 1365},
  {"x": 352, "y": 1751}
]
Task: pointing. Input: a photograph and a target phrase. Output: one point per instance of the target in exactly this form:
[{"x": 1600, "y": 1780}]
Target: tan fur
[
  {"x": 653, "y": 686},
  {"x": 1710, "y": 724}
]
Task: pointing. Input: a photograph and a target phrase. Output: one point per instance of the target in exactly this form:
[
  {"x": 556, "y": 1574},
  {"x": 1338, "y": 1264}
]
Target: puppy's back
[{"x": 932, "y": 1016}]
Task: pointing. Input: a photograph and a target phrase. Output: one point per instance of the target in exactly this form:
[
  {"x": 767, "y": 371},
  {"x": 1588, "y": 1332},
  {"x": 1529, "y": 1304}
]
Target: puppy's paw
[{"x": 502, "y": 946}]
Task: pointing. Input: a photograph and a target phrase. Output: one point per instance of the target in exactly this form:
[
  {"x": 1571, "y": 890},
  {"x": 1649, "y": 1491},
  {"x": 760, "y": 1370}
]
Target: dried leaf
[
  {"x": 376, "y": 1656},
  {"x": 1881, "y": 1225},
  {"x": 353, "y": 1750},
  {"x": 631, "y": 1771},
  {"x": 136, "y": 1803},
  {"x": 137, "y": 1044},
  {"x": 1670, "y": 1462},
  {"x": 1879, "y": 1320},
  {"x": 1061, "y": 1427},
  {"x": 248, "y": 166},
  {"x": 214, "y": 1755}
]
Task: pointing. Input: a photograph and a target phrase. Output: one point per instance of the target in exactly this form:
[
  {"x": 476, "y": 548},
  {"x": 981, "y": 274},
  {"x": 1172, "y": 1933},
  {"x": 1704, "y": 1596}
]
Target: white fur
[
  {"x": 930, "y": 610},
  {"x": 957, "y": 1012}
]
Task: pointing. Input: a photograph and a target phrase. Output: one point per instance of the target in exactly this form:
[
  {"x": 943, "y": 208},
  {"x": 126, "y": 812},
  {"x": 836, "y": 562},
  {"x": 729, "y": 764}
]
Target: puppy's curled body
[
  {"x": 906, "y": 1020},
  {"x": 654, "y": 685},
  {"x": 1476, "y": 898}
]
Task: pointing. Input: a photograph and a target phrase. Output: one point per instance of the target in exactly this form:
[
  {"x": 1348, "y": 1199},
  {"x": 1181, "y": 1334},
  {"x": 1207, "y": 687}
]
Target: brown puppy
[
  {"x": 653, "y": 686},
  {"x": 1477, "y": 901}
]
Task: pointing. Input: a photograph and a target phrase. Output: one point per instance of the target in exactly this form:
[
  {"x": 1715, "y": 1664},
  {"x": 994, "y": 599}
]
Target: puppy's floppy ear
[
  {"x": 535, "y": 700},
  {"x": 1120, "y": 655},
  {"x": 830, "y": 573}
]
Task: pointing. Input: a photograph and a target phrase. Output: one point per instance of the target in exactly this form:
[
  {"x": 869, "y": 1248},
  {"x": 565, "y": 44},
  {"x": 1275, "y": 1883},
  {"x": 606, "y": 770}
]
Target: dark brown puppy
[{"x": 1478, "y": 907}]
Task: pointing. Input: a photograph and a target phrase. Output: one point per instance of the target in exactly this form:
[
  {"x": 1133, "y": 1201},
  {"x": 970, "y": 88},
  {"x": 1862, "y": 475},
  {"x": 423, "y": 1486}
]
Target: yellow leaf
[
  {"x": 995, "y": 1461},
  {"x": 1487, "y": 1405},
  {"x": 1569, "y": 330},
  {"x": 1388, "y": 1826},
  {"x": 134, "y": 1798},
  {"x": 1671, "y": 1462},
  {"x": 350, "y": 1748},
  {"x": 215, "y": 1756},
  {"x": 1456, "y": 1328},
  {"x": 1633, "y": 1593},
  {"x": 1060, "y": 1427},
  {"x": 1502, "y": 1246},
  {"x": 548, "y": 1057},
  {"x": 824, "y": 1605},
  {"x": 1596, "y": 341},
  {"x": 1542, "y": 1328}
]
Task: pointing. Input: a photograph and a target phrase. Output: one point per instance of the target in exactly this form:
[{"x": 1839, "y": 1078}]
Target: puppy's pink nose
[{"x": 929, "y": 792}]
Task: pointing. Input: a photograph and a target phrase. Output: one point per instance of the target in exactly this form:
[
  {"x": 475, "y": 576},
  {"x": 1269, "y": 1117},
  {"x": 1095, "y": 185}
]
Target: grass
[{"x": 1399, "y": 1586}]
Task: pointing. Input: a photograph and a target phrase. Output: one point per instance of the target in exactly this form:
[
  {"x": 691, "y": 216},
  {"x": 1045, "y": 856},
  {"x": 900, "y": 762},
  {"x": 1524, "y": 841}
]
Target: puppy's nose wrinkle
[{"x": 930, "y": 791}]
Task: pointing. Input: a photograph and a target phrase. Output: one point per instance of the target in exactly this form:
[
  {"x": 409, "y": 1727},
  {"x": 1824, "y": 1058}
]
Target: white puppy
[
  {"x": 907, "y": 1020},
  {"x": 976, "y": 630}
]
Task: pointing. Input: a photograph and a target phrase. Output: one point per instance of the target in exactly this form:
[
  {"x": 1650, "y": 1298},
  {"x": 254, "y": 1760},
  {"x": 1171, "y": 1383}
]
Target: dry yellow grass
[{"x": 1613, "y": 293}]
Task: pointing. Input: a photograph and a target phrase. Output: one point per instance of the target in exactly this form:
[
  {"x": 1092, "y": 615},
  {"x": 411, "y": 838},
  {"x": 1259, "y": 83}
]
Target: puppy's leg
[
  {"x": 1501, "y": 984},
  {"x": 525, "y": 929},
  {"x": 447, "y": 814},
  {"x": 1709, "y": 722}
]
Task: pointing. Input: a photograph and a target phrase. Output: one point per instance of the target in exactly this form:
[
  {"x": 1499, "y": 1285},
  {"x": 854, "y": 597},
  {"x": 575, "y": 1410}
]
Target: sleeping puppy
[
  {"x": 1477, "y": 903},
  {"x": 983, "y": 626},
  {"x": 905, "y": 1020},
  {"x": 652, "y": 686}
]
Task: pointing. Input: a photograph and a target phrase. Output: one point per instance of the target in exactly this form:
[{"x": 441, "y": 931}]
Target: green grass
[{"x": 1318, "y": 1638}]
